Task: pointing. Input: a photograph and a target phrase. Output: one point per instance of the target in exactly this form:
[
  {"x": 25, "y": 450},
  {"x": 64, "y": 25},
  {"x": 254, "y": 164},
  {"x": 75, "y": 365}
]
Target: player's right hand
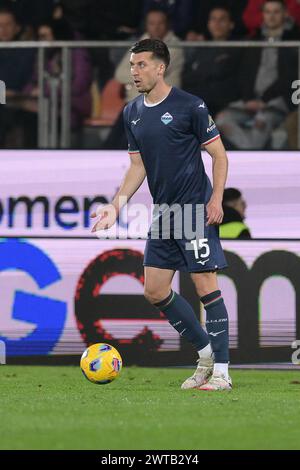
[{"x": 107, "y": 216}]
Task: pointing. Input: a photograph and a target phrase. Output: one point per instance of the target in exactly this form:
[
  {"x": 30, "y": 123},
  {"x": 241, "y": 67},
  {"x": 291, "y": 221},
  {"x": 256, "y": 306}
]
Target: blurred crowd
[{"x": 248, "y": 90}]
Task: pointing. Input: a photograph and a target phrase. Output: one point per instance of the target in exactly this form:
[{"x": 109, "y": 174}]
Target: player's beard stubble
[{"x": 144, "y": 89}]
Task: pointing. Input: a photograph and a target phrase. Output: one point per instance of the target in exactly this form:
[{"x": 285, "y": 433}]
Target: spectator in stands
[
  {"x": 76, "y": 12},
  {"x": 265, "y": 79},
  {"x": 234, "y": 207},
  {"x": 253, "y": 16},
  {"x": 32, "y": 12},
  {"x": 109, "y": 19},
  {"x": 16, "y": 67},
  {"x": 60, "y": 30},
  {"x": 104, "y": 20},
  {"x": 180, "y": 13},
  {"x": 198, "y": 30},
  {"x": 157, "y": 26},
  {"x": 12, "y": 60},
  {"x": 211, "y": 72}
]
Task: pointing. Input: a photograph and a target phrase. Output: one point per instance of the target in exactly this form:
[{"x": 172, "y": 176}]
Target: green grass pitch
[{"x": 57, "y": 408}]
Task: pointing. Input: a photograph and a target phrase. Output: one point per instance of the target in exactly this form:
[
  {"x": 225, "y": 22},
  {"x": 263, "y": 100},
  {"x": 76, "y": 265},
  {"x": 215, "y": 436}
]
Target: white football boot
[
  {"x": 201, "y": 375},
  {"x": 217, "y": 382}
]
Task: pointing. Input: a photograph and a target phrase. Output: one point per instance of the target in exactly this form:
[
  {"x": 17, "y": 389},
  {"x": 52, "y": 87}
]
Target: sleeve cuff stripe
[
  {"x": 211, "y": 140},
  {"x": 133, "y": 151}
]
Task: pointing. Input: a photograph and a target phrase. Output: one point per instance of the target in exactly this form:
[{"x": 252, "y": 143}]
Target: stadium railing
[{"x": 48, "y": 138}]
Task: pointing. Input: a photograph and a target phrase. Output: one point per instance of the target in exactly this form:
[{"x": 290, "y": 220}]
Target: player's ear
[{"x": 162, "y": 69}]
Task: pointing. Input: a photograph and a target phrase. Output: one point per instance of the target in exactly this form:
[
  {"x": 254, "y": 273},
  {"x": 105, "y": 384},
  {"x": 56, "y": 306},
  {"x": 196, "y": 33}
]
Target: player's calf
[
  {"x": 182, "y": 317},
  {"x": 218, "y": 331}
]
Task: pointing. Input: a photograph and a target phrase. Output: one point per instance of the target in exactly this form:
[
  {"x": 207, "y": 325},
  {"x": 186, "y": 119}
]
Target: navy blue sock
[
  {"x": 217, "y": 325},
  {"x": 182, "y": 317}
]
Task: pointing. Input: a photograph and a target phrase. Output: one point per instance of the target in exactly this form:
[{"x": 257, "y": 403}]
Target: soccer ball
[{"x": 101, "y": 363}]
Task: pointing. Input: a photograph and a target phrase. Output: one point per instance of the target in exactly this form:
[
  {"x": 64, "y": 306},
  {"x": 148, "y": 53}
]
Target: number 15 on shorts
[{"x": 200, "y": 245}]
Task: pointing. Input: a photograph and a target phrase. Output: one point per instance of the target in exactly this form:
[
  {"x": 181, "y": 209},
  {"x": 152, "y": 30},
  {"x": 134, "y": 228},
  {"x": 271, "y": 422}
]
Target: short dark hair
[
  {"x": 221, "y": 6},
  {"x": 159, "y": 9},
  {"x": 158, "y": 48},
  {"x": 6, "y": 10},
  {"x": 281, "y": 2},
  {"x": 231, "y": 194},
  {"x": 61, "y": 29}
]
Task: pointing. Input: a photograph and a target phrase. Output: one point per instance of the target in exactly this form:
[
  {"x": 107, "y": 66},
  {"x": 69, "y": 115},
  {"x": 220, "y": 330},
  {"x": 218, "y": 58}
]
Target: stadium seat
[{"x": 107, "y": 106}]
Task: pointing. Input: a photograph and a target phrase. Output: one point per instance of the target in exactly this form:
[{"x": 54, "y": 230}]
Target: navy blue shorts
[{"x": 190, "y": 255}]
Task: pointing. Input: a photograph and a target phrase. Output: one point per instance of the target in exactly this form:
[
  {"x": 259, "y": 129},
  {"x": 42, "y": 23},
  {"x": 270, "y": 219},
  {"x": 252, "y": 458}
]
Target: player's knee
[
  {"x": 155, "y": 294},
  {"x": 205, "y": 283}
]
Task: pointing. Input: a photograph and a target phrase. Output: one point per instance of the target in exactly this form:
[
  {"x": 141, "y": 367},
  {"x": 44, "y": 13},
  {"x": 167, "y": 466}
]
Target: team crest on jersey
[{"x": 167, "y": 118}]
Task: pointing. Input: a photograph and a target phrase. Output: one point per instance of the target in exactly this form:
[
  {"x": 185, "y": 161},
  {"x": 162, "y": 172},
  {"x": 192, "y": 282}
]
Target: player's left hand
[{"x": 214, "y": 211}]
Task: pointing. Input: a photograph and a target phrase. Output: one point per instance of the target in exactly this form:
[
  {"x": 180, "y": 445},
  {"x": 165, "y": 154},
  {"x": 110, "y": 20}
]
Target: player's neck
[{"x": 158, "y": 93}]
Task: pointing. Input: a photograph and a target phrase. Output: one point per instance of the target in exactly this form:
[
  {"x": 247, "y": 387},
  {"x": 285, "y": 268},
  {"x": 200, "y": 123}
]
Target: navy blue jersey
[{"x": 169, "y": 136}]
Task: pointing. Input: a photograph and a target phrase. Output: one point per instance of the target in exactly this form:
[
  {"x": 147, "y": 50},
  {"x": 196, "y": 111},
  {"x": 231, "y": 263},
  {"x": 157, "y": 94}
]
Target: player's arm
[
  {"x": 133, "y": 179},
  {"x": 219, "y": 170},
  {"x": 206, "y": 131}
]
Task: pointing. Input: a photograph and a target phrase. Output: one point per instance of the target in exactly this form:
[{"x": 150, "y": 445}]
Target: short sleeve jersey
[{"x": 169, "y": 136}]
